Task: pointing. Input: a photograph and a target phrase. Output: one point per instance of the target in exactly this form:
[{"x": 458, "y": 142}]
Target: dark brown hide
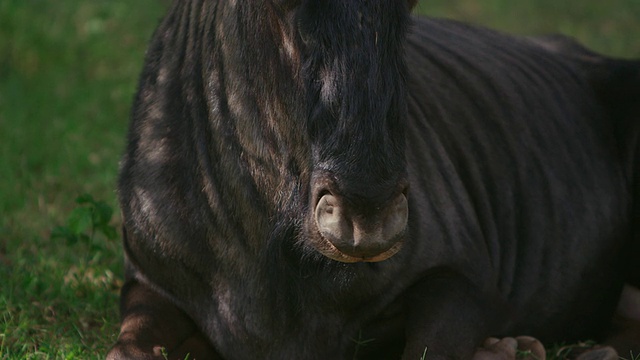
[{"x": 332, "y": 179}]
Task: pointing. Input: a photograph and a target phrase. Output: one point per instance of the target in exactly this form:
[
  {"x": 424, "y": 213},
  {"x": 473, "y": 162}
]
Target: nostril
[
  {"x": 404, "y": 188},
  {"x": 322, "y": 193},
  {"x": 397, "y": 217},
  {"x": 330, "y": 219},
  {"x": 323, "y": 185}
]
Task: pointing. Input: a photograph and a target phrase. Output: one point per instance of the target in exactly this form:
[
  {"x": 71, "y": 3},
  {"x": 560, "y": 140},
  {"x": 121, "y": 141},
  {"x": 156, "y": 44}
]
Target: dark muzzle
[{"x": 366, "y": 229}]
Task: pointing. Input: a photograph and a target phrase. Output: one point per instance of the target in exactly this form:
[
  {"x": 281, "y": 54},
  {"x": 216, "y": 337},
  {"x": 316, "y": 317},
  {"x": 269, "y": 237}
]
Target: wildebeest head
[
  {"x": 352, "y": 70},
  {"x": 337, "y": 68}
]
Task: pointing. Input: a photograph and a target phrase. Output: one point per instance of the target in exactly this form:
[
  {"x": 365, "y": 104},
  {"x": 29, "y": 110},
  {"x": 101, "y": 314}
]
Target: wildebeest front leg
[
  {"x": 521, "y": 348},
  {"x": 625, "y": 332},
  {"x": 449, "y": 318},
  {"x": 152, "y": 328}
]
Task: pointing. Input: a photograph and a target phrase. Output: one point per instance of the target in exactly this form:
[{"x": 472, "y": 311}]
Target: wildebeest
[{"x": 331, "y": 179}]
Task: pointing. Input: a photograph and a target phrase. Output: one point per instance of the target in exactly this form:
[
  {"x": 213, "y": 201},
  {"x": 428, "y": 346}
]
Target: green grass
[
  {"x": 611, "y": 27},
  {"x": 67, "y": 75},
  {"x": 68, "y": 71}
]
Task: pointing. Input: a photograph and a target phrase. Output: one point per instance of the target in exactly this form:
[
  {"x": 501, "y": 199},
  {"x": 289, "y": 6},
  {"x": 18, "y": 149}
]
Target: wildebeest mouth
[{"x": 329, "y": 250}]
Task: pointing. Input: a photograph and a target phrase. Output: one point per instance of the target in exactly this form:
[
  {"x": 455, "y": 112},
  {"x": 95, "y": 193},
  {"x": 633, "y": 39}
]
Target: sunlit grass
[
  {"x": 610, "y": 27},
  {"x": 68, "y": 71}
]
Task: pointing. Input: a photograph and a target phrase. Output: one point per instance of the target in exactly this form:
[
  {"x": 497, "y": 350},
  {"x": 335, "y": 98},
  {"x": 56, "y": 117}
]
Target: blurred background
[{"x": 68, "y": 72}]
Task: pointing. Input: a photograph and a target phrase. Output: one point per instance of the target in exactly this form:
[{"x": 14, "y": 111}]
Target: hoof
[
  {"x": 131, "y": 352},
  {"x": 530, "y": 348},
  {"x": 523, "y": 347},
  {"x": 599, "y": 353}
]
